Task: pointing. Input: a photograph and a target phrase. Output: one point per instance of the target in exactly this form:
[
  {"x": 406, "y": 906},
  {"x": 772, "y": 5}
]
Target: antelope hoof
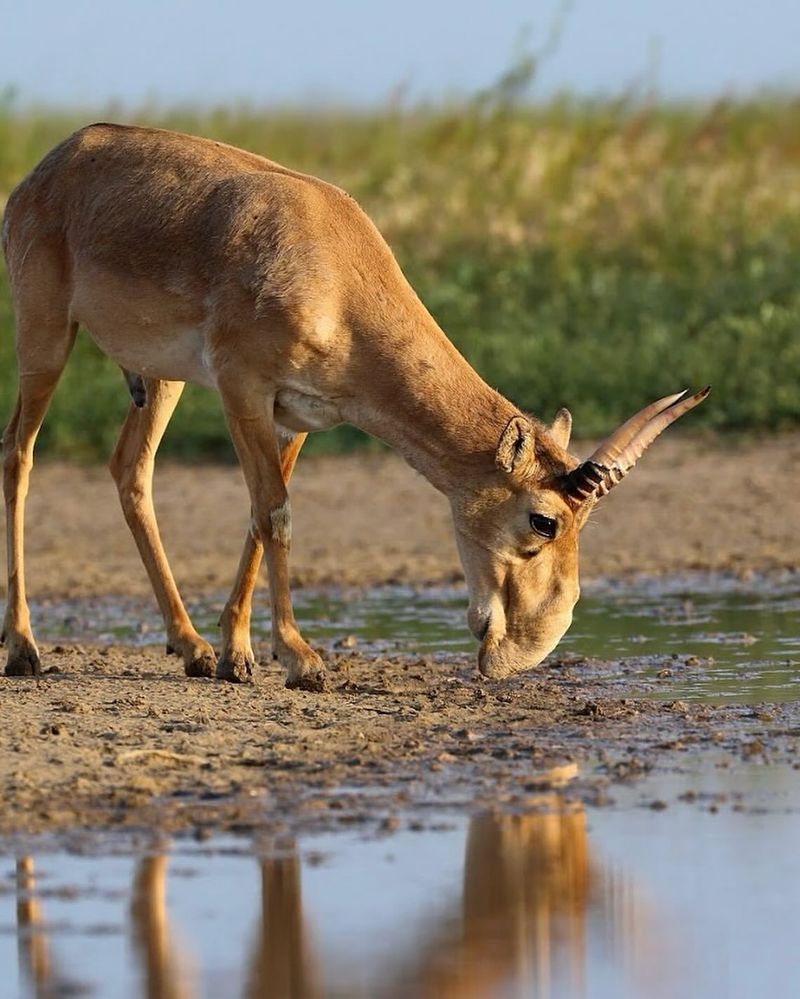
[
  {"x": 306, "y": 673},
  {"x": 236, "y": 667},
  {"x": 199, "y": 658},
  {"x": 203, "y": 664},
  {"x": 314, "y": 680},
  {"x": 23, "y": 660},
  {"x": 305, "y": 669}
]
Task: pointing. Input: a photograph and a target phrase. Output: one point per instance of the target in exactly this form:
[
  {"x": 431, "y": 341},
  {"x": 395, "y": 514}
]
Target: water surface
[{"x": 694, "y": 899}]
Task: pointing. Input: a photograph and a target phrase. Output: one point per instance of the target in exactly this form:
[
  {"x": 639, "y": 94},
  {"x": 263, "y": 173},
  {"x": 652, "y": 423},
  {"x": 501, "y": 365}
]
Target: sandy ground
[{"x": 118, "y": 738}]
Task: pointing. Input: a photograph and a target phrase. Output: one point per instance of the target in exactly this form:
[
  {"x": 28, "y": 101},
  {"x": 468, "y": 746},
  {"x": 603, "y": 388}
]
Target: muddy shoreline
[{"x": 115, "y": 738}]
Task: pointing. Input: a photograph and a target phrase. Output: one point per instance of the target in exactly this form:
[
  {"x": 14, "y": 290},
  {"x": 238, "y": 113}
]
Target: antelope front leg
[
  {"x": 237, "y": 660},
  {"x": 253, "y": 432}
]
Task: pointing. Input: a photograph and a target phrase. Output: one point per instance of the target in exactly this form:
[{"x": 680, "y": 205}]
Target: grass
[{"x": 594, "y": 255}]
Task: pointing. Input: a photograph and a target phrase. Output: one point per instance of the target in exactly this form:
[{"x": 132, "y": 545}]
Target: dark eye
[{"x": 545, "y": 527}]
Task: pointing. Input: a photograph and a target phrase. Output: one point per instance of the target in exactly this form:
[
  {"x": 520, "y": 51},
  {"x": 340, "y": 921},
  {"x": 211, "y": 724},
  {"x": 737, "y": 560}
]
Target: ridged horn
[{"x": 617, "y": 455}]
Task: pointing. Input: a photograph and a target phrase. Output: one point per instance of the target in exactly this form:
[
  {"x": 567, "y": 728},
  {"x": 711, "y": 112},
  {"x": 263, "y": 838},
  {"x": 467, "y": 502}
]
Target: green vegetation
[{"x": 589, "y": 254}]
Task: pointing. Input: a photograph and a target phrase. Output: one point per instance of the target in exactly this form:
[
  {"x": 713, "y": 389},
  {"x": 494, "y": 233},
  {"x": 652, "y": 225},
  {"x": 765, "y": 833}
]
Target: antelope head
[{"x": 518, "y": 535}]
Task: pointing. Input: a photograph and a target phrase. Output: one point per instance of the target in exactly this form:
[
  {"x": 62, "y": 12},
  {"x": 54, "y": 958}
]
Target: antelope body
[{"x": 189, "y": 260}]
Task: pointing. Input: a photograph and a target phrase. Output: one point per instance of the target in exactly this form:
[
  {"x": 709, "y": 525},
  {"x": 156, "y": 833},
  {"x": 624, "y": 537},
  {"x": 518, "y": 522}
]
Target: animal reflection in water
[
  {"x": 47, "y": 979},
  {"x": 529, "y": 890}
]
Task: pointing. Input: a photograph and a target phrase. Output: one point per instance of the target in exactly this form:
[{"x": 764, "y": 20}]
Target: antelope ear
[
  {"x": 515, "y": 452},
  {"x": 561, "y": 429}
]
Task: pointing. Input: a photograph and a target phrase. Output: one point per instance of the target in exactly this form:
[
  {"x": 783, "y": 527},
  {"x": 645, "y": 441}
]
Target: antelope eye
[{"x": 545, "y": 527}]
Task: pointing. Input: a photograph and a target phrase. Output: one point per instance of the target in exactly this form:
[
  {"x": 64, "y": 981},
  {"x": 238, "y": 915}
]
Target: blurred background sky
[{"x": 90, "y": 52}]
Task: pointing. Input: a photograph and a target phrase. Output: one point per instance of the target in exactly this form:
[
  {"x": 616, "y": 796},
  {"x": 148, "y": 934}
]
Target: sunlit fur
[{"x": 189, "y": 260}]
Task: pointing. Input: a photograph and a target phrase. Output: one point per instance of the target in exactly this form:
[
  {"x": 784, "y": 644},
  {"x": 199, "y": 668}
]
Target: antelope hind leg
[
  {"x": 132, "y": 468},
  {"x": 35, "y": 392}
]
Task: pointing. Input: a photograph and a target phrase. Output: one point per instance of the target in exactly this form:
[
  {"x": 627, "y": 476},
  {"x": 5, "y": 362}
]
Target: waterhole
[{"x": 709, "y": 638}]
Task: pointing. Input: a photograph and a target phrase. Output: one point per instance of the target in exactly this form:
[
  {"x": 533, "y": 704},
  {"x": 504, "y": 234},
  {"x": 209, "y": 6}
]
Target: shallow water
[
  {"x": 700, "y": 637},
  {"x": 694, "y": 899}
]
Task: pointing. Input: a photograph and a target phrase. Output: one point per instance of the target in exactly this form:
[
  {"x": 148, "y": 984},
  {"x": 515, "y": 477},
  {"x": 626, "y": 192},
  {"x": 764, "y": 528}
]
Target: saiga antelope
[{"x": 190, "y": 260}]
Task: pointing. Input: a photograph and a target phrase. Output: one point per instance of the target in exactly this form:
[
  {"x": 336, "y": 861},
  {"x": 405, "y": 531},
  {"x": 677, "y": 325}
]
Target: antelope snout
[{"x": 502, "y": 656}]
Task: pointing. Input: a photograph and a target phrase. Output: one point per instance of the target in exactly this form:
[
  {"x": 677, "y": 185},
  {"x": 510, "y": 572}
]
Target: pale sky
[{"x": 91, "y": 52}]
